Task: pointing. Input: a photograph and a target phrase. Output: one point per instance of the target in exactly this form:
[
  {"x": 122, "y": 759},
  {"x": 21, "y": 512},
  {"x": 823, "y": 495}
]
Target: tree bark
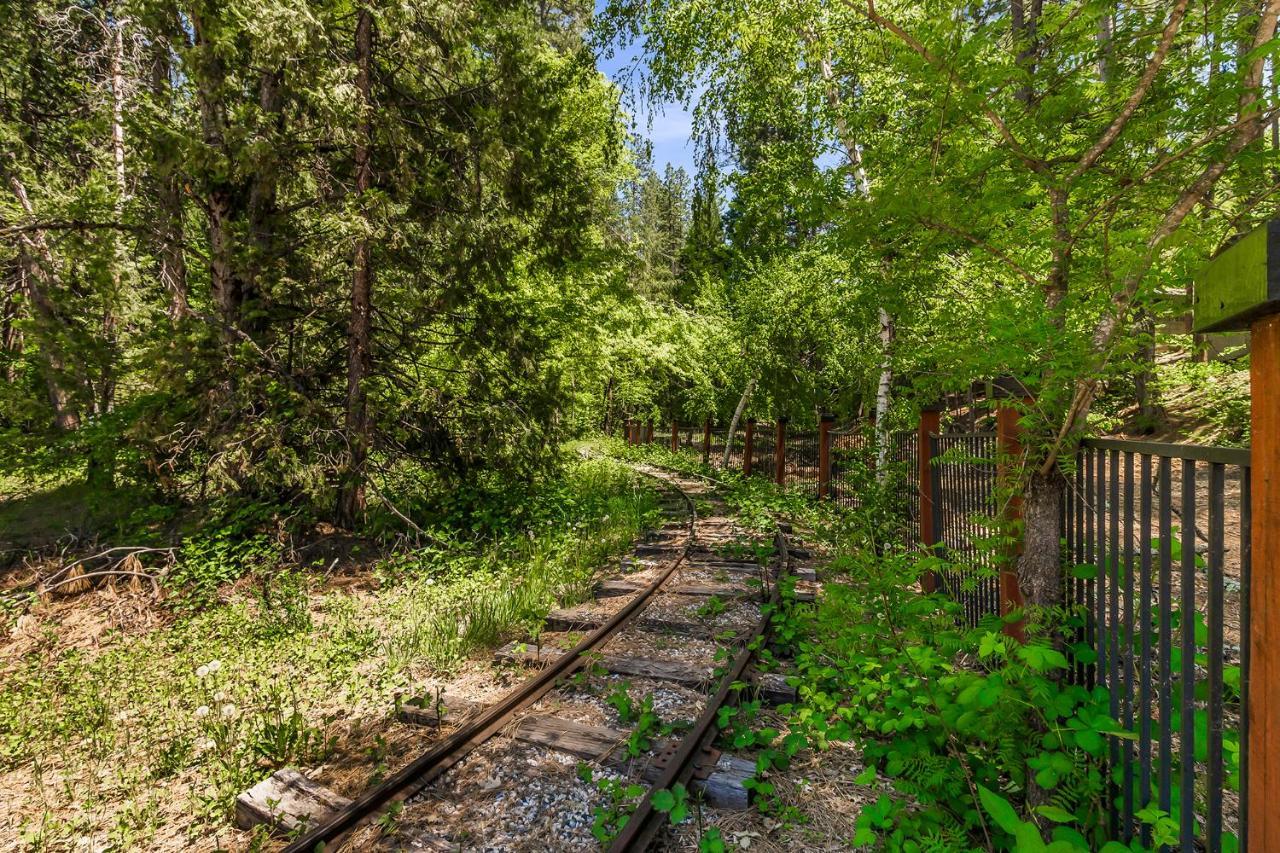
[
  {"x": 104, "y": 399},
  {"x": 263, "y": 208},
  {"x": 1040, "y": 563},
  {"x": 351, "y": 498},
  {"x": 225, "y": 201},
  {"x": 10, "y": 334},
  {"x": 39, "y": 275},
  {"x": 169, "y": 235},
  {"x": 737, "y": 417},
  {"x": 882, "y": 394}
]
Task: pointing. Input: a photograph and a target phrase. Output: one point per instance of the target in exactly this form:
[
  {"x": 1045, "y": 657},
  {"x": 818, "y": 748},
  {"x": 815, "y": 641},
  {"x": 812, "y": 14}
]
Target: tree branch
[
  {"x": 986, "y": 247},
  {"x": 1112, "y": 133},
  {"x": 1035, "y": 164}
]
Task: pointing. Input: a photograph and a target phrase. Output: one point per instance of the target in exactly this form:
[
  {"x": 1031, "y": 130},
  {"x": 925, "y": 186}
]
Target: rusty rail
[{"x": 433, "y": 763}]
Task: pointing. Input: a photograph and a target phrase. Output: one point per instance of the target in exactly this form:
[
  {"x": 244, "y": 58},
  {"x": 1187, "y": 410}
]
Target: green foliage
[
  {"x": 177, "y": 286},
  {"x": 224, "y": 694},
  {"x": 620, "y": 799},
  {"x": 672, "y": 802},
  {"x": 1218, "y": 390},
  {"x": 227, "y": 547}
]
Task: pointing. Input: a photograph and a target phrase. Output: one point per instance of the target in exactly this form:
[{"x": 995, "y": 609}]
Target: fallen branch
[{"x": 155, "y": 582}]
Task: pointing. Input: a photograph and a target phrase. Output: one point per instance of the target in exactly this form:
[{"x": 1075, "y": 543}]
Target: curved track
[{"x": 661, "y": 565}]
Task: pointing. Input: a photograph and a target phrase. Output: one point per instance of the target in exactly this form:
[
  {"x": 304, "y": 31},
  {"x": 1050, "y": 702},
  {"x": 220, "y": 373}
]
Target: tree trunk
[
  {"x": 1144, "y": 376},
  {"x": 263, "y": 208},
  {"x": 38, "y": 275},
  {"x": 10, "y": 335},
  {"x": 168, "y": 190},
  {"x": 1040, "y": 563},
  {"x": 882, "y": 394},
  {"x": 608, "y": 406},
  {"x": 106, "y": 390},
  {"x": 351, "y": 498},
  {"x": 737, "y": 417},
  {"x": 225, "y": 201}
]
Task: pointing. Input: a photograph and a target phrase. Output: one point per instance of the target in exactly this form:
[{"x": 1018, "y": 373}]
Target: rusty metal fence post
[
  {"x": 1009, "y": 450},
  {"x": 930, "y": 426},
  {"x": 706, "y": 441},
  {"x": 780, "y": 452},
  {"x": 748, "y": 446},
  {"x": 824, "y": 456}
]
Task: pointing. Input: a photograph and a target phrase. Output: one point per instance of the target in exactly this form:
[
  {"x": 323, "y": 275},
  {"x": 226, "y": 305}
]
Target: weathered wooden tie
[{"x": 285, "y": 801}]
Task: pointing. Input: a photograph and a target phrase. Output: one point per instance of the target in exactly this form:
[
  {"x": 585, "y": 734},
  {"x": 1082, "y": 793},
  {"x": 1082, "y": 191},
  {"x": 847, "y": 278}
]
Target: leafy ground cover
[
  {"x": 967, "y": 739},
  {"x": 142, "y": 738}
]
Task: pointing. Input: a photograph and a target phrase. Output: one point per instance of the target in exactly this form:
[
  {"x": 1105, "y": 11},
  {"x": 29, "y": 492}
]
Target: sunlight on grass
[{"x": 213, "y": 702}]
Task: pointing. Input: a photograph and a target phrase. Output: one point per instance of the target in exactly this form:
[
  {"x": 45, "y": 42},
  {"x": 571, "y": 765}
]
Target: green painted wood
[{"x": 1241, "y": 284}]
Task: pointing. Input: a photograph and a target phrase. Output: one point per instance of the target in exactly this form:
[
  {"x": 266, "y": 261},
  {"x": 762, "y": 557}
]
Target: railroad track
[{"x": 684, "y": 618}]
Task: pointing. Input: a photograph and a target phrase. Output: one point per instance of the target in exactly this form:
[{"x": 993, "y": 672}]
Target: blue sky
[{"x": 668, "y": 128}]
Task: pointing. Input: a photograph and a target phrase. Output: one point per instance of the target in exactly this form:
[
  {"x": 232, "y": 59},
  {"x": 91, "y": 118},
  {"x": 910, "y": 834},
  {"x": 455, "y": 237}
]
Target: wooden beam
[{"x": 1263, "y": 685}]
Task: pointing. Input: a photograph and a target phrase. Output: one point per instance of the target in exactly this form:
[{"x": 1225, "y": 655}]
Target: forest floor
[{"x": 131, "y": 720}]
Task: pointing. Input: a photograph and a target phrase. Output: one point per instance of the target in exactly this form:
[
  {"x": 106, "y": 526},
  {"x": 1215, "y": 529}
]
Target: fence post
[
  {"x": 780, "y": 452},
  {"x": 1239, "y": 290},
  {"x": 748, "y": 446},
  {"x": 706, "y": 441},
  {"x": 648, "y": 431},
  {"x": 1008, "y": 449},
  {"x": 675, "y": 436},
  {"x": 629, "y": 430},
  {"x": 824, "y": 456},
  {"x": 930, "y": 424},
  {"x": 1262, "y": 673}
]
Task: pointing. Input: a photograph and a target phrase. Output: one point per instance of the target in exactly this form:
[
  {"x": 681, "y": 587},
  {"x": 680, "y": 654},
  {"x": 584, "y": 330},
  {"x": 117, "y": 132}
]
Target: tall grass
[
  {"x": 512, "y": 584},
  {"x": 148, "y": 717}
]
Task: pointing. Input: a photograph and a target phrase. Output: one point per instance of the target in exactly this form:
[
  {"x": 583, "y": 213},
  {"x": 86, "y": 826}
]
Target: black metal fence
[
  {"x": 963, "y": 482},
  {"x": 1161, "y": 584},
  {"x": 763, "y": 447}
]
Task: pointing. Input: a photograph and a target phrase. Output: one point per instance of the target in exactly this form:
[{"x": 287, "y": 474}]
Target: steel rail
[
  {"x": 645, "y": 822},
  {"x": 433, "y": 763}
]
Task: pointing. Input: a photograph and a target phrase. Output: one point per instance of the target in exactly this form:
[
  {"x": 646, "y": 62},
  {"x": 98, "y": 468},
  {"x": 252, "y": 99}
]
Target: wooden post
[
  {"x": 748, "y": 446},
  {"x": 824, "y": 456},
  {"x": 706, "y": 442},
  {"x": 629, "y": 431},
  {"x": 1240, "y": 289},
  {"x": 675, "y": 436},
  {"x": 1009, "y": 450},
  {"x": 780, "y": 452},
  {"x": 648, "y": 431},
  {"x": 1263, "y": 685},
  {"x": 930, "y": 425}
]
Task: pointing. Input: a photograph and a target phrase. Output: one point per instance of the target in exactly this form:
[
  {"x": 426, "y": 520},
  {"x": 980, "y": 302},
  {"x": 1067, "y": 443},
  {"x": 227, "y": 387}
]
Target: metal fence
[
  {"x": 763, "y": 448},
  {"x": 1155, "y": 541},
  {"x": 963, "y": 485},
  {"x": 1166, "y": 619}
]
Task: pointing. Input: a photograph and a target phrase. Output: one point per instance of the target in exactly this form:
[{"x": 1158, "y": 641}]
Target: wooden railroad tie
[
  {"x": 719, "y": 777},
  {"x": 773, "y": 687}
]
